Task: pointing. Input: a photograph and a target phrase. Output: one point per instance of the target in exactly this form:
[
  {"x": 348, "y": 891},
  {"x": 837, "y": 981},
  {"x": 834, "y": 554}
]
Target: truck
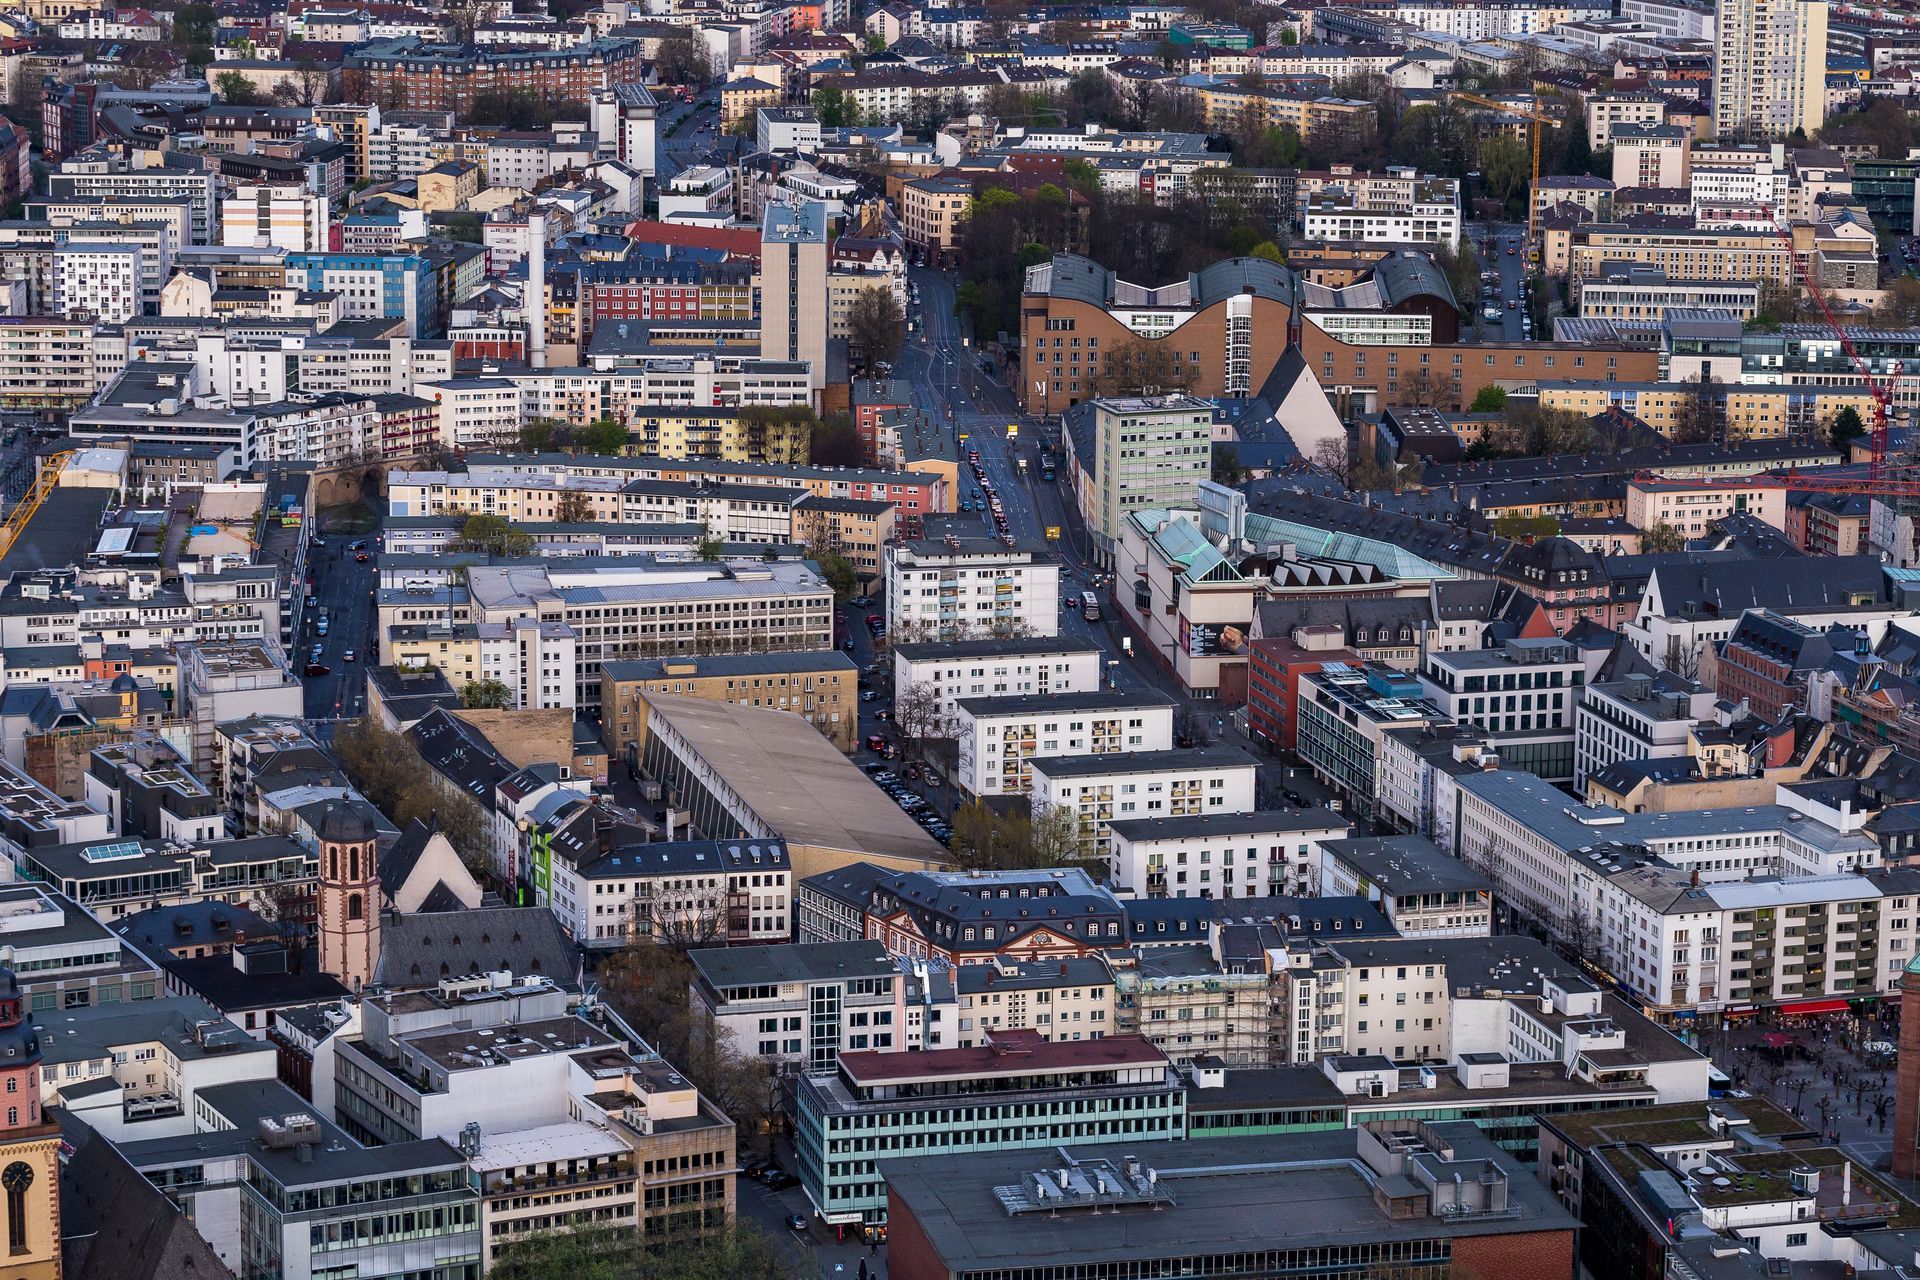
[{"x": 1090, "y": 606}]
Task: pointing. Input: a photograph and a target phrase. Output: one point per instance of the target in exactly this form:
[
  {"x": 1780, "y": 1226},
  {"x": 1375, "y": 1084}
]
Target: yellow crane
[
  {"x": 45, "y": 483},
  {"x": 1536, "y": 119}
]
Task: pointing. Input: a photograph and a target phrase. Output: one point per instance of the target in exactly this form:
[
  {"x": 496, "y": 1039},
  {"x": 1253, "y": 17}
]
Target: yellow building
[
  {"x": 739, "y": 99},
  {"x": 1315, "y": 119},
  {"x": 931, "y": 210},
  {"x": 822, "y": 685},
  {"x": 1682, "y": 254},
  {"x": 1748, "y": 412},
  {"x": 448, "y": 185},
  {"x": 857, "y": 529}
]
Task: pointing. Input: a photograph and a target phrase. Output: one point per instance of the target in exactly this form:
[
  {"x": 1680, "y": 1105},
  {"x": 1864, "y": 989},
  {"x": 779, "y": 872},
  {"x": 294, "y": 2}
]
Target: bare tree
[
  {"x": 573, "y": 508},
  {"x": 693, "y": 915},
  {"x": 1054, "y": 837},
  {"x": 288, "y": 906},
  {"x": 920, "y": 716}
]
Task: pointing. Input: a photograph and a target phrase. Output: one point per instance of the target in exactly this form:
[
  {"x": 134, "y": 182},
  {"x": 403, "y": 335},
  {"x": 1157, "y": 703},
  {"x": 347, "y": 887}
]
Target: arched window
[
  {"x": 353, "y": 864},
  {"x": 355, "y": 908},
  {"x": 15, "y": 1181},
  {"x": 333, "y": 864}
]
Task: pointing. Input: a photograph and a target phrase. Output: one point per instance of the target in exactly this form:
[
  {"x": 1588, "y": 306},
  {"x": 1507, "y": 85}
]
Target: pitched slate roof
[{"x": 418, "y": 950}]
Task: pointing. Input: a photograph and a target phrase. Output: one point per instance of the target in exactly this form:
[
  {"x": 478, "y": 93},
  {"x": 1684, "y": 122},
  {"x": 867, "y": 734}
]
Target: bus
[
  {"x": 1046, "y": 464},
  {"x": 1089, "y": 606}
]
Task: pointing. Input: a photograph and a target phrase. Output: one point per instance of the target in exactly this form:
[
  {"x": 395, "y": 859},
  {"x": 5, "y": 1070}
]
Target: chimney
[
  {"x": 1694, "y": 879},
  {"x": 535, "y": 299}
]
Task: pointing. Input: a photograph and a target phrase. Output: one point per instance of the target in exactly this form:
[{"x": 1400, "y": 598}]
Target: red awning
[
  {"x": 1776, "y": 1039},
  {"x": 1815, "y": 1006}
]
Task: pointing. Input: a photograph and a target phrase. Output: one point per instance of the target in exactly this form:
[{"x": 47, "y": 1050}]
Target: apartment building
[
  {"x": 999, "y": 737},
  {"x": 1102, "y": 789},
  {"x": 968, "y": 588},
  {"x": 1649, "y": 155},
  {"x": 821, "y": 685},
  {"x": 1769, "y": 69},
  {"x": 675, "y": 892},
  {"x": 1266, "y": 853},
  {"x": 1431, "y": 216},
  {"x": 534, "y": 658},
  {"x": 1061, "y": 1000},
  {"x": 284, "y": 216},
  {"x": 1522, "y": 694},
  {"x": 1015, "y": 667},
  {"x": 793, "y": 286},
  {"x": 1606, "y": 111}
]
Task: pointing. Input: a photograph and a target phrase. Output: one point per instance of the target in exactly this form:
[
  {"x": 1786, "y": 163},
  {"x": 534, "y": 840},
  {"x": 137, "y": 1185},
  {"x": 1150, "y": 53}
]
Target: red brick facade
[
  {"x": 1529, "y": 1255},
  {"x": 1906, "y": 1082}
]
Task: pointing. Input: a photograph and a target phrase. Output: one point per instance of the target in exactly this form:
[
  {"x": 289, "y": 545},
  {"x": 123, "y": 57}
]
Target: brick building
[
  {"x": 1274, "y": 669},
  {"x": 1765, "y": 662},
  {"x": 1234, "y": 323},
  {"x": 408, "y": 73}
]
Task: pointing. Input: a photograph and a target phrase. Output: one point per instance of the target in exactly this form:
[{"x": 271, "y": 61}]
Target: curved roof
[
  {"x": 1259, "y": 276},
  {"x": 1400, "y": 276}
]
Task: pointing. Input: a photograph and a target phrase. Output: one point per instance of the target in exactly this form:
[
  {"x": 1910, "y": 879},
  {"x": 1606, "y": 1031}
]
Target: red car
[{"x": 875, "y": 742}]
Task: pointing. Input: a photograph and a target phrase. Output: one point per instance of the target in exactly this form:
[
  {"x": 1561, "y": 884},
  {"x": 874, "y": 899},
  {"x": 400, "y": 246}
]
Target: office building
[
  {"x": 801, "y": 1007},
  {"x": 970, "y": 588},
  {"x": 1147, "y": 451},
  {"x": 1017, "y": 1090},
  {"x": 822, "y": 685}
]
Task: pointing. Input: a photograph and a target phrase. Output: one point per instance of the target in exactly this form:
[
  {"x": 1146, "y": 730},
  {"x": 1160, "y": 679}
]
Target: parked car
[
  {"x": 875, "y": 742},
  {"x": 796, "y": 1222},
  {"x": 316, "y": 669}
]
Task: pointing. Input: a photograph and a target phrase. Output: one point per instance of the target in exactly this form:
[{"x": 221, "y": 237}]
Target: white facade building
[
  {"x": 963, "y": 588},
  {"x": 1015, "y": 667},
  {"x": 1101, "y": 790},
  {"x": 999, "y": 737},
  {"x": 1267, "y": 853}
]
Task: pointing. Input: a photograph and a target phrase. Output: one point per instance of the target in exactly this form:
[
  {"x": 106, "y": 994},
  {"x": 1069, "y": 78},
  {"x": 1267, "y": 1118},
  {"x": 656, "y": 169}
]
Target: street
[
  {"x": 681, "y": 147},
  {"x": 342, "y": 589},
  {"x": 1492, "y": 241}
]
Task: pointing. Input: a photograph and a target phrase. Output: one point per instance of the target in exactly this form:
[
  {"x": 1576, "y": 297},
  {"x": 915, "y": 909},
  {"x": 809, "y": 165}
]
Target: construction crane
[
  {"x": 1537, "y": 119},
  {"x": 43, "y": 484}
]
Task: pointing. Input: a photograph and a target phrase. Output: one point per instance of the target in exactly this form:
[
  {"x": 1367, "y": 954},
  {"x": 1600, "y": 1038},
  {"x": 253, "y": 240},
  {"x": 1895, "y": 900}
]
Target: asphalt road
[
  {"x": 344, "y": 589},
  {"x": 683, "y": 147},
  {"x": 1513, "y": 270}
]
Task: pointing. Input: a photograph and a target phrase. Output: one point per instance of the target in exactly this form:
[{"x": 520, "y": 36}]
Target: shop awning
[{"x": 1814, "y": 1006}]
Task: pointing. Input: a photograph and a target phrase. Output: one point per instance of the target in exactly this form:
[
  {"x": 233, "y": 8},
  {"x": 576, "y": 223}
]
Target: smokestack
[{"x": 536, "y": 296}]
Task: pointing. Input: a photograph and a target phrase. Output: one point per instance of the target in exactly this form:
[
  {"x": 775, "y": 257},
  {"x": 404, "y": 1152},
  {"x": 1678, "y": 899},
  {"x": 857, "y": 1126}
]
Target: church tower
[
  {"x": 29, "y": 1149},
  {"x": 349, "y": 906},
  {"x": 1906, "y": 1077}
]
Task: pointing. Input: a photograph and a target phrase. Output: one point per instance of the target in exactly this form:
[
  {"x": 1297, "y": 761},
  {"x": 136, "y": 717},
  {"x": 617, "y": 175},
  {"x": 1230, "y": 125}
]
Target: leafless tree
[
  {"x": 288, "y": 906},
  {"x": 921, "y": 718},
  {"x": 694, "y": 915}
]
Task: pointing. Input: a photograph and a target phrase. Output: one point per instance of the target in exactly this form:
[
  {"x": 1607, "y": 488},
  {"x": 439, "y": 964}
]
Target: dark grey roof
[
  {"x": 851, "y": 885},
  {"x": 1400, "y": 865},
  {"x": 685, "y": 857},
  {"x": 723, "y": 967},
  {"x": 398, "y": 859},
  {"x": 731, "y": 664},
  {"x": 115, "y": 1224},
  {"x": 1160, "y": 921},
  {"x": 418, "y": 950},
  {"x": 1185, "y": 758},
  {"x": 1043, "y": 703},
  {"x": 1015, "y": 647},
  {"x": 1228, "y": 824}
]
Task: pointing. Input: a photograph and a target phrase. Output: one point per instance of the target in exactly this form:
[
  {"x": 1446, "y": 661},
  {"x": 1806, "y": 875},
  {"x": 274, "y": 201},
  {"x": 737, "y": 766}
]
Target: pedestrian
[{"x": 863, "y": 1269}]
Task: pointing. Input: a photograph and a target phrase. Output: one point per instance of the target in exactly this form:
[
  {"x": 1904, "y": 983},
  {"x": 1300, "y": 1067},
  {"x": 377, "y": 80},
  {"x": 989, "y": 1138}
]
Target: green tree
[
  {"x": 236, "y": 90},
  {"x": 1082, "y": 175},
  {"x": 542, "y": 435},
  {"x": 831, "y": 103},
  {"x": 492, "y": 694},
  {"x": 990, "y": 199},
  {"x": 1489, "y": 399},
  {"x": 608, "y": 436},
  {"x": 1846, "y": 428},
  {"x": 194, "y": 24},
  {"x": 493, "y": 535},
  {"x": 1662, "y": 537},
  {"x": 839, "y": 573},
  {"x": 384, "y": 767},
  {"x": 1505, "y": 166},
  {"x": 1270, "y": 251},
  {"x": 1526, "y": 528},
  {"x": 614, "y": 1253},
  {"x": 711, "y": 545}
]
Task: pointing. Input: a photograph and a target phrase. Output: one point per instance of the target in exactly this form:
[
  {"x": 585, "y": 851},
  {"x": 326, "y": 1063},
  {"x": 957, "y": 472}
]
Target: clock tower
[{"x": 29, "y": 1150}]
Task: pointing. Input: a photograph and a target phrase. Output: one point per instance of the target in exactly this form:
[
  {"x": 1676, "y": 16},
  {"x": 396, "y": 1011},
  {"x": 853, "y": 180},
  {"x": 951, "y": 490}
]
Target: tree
[
  {"x": 919, "y": 716},
  {"x": 711, "y": 545},
  {"x": 1662, "y": 537},
  {"x": 1054, "y": 836},
  {"x": 1334, "y": 456},
  {"x": 573, "y": 508},
  {"x": 708, "y": 1252},
  {"x": 1526, "y": 528},
  {"x": 831, "y": 103},
  {"x": 493, "y": 535},
  {"x": 1846, "y": 427},
  {"x": 1489, "y": 399},
  {"x": 543, "y": 435},
  {"x": 236, "y": 90},
  {"x": 489, "y": 694},
  {"x": 194, "y": 25},
  {"x": 386, "y": 769},
  {"x": 607, "y": 436},
  {"x": 839, "y": 573},
  {"x": 1270, "y": 251},
  {"x": 1900, "y": 308},
  {"x": 680, "y": 61},
  {"x": 288, "y": 906},
  {"x": 1137, "y": 365},
  {"x": 1226, "y": 466},
  {"x": 876, "y": 326},
  {"x": 1505, "y": 166}
]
